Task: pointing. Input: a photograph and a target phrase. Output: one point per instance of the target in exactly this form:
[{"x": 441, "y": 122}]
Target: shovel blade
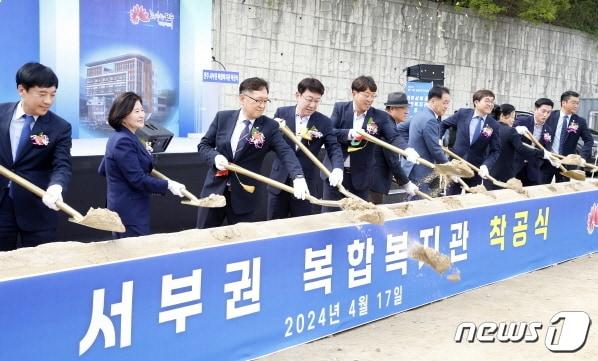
[
  {"x": 575, "y": 174},
  {"x": 102, "y": 219},
  {"x": 212, "y": 201}
]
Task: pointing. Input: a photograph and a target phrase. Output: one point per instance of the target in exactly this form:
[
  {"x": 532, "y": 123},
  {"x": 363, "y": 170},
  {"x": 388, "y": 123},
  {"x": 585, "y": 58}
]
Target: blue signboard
[
  {"x": 417, "y": 95},
  {"x": 242, "y": 300},
  {"x": 221, "y": 76}
]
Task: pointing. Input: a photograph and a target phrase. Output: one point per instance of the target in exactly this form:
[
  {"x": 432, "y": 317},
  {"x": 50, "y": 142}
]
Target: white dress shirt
[
  {"x": 300, "y": 125},
  {"x": 234, "y": 139},
  {"x": 358, "y": 120},
  {"x": 16, "y": 127}
]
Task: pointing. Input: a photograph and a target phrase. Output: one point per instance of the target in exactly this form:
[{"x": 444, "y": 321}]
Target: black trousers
[
  {"x": 285, "y": 205},
  {"x": 331, "y": 193},
  {"x": 13, "y": 237}
]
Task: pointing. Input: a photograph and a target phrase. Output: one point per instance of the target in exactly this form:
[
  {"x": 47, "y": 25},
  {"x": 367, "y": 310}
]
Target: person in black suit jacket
[
  {"x": 244, "y": 137},
  {"x": 127, "y": 165},
  {"x": 529, "y": 170},
  {"x": 314, "y": 129},
  {"x": 477, "y": 137},
  {"x": 567, "y": 128},
  {"x": 510, "y": 145},
  {"x": 35, "y": 144},
  {"x": 358, "y": 154}
]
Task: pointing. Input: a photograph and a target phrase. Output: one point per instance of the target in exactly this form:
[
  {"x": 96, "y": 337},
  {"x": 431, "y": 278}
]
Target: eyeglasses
[
  {"x": 259, "y": 101},
  {"x": 312, "y": 100},
  {"x": 369, "y": 96}
]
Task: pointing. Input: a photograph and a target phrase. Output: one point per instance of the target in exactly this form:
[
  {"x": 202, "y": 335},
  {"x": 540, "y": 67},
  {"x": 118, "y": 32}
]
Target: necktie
[
  {"x": 244, "y": 137},
  {"x": 563, "y": 133},
  {"x": 478, "y": 129},
  {"x": 25, "y": 134}
]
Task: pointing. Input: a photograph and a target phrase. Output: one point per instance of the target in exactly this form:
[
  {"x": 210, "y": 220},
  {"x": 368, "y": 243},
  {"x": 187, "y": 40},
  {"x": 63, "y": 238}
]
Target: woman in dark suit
[
  {"x": 510, "y": 145},
  {"x": 127, "y": 165}
]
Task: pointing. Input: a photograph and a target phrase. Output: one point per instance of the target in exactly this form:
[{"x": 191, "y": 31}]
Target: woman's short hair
[{"x": 121, "y": 107}]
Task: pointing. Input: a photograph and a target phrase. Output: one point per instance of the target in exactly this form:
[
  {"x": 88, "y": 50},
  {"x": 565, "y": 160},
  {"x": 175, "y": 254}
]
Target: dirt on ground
[{"x": 427, "y": 333}]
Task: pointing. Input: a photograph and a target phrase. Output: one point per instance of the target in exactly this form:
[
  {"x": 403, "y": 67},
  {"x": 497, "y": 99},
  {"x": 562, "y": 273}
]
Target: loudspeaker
[
  {"x": 427, "y": 72},
  {"x": 158, "y": 136}
]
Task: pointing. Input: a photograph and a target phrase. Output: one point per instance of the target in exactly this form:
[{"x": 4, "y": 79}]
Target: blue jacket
[
  {"x": 127, "y": 166},
  {"x": 322, "y": 124},
  {"x": 424, "y": 134},
  {"x": 42, "y": 165},
  {"x": 511, "y": 145},
  {"x": 569, "y": 142},
  {"x": 484, "y": 150},
  {"x": 533, "y": 167},
  {"x": 363, "y": 160},
  {"x": 217, "y": 141}
]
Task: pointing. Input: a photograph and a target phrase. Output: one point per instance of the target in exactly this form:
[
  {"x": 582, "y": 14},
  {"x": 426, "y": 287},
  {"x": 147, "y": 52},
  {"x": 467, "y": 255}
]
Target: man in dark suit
[
  {"x": 424, "y": 133},
  {"x": 314, "y": 129},
  {"x": 35, "y": 144},
  {"x": 567, "y": 127},
  {"x": 477, "y": 137},
  {"x": 397, "y": 107},
  {"x": 529, "y": 170},
  {"x": 244, "y": 137},
  {"x": 358, "y": 153}
]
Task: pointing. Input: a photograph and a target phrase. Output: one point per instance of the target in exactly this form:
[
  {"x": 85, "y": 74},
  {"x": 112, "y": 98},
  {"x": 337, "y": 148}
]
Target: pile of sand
[
  {"x": 62, "y": 255},
  {"x": 362, "y": 211}
]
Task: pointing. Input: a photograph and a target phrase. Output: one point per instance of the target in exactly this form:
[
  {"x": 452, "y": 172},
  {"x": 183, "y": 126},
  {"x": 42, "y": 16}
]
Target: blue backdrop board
[
  {"x": 19, "y": 34},
  {"x": 241, "y": 300},
  {"x": 128, "y": 46},
  {"x": 417, "y": 95}
]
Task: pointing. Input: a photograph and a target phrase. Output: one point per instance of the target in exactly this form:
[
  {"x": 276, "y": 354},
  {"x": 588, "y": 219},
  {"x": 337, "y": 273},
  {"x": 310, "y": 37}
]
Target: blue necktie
[
  {"x": 478, "y": 129},
  {"x": 25, "y": 134},
  {"x": 244, "y": 137},
  {"x": 563, "y": 133}
]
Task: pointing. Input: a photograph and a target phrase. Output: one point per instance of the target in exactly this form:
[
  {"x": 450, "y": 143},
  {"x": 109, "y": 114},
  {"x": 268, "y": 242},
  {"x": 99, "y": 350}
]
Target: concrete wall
[{"x": 337, "y": 40}]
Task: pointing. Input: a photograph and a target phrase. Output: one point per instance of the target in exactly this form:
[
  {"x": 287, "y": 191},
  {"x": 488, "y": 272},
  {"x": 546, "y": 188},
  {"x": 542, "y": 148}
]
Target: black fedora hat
[{"x": 397, "y": 99}]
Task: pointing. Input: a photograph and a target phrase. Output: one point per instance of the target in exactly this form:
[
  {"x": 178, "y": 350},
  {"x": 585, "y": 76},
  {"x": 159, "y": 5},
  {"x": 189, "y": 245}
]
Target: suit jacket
[
  {"x": 127, "y": 166},
  {"x": 533, "y": 166},
  {"x": 571, "y": 138},
  {"x": 322, "y": 124},
  {"x": 362, "y": 160},
  {"x": 510, "y": 145},
  {"x": 42, "y": 165},
  {"x": 217, "y": 141},
  {"x": 484, "y": 150},
  {"x": 424, "y": 132}
]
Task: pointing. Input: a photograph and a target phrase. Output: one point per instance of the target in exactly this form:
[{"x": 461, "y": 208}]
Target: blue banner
[
  {"x": 242, "y": 300},
  {"x": 19, "y": 35},
  {"x": 128, "y": 46},
  {"x": 221, "y": 76},
  {"x": 417, "y": 95}
]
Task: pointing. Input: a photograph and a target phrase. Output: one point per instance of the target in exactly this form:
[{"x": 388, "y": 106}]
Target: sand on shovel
[
  {"x": 102, "y": 218},
  {"x": 516, "y": 185},
  {"x": 362, "y": 211},
  {"x": 455, "y": 167},
  {"x": 438, "y": 261},
  {"x": 212, "y": 201}
]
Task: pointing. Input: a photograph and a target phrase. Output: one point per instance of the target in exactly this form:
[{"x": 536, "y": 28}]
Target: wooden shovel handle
[
  {"x": 392, "y": 148},
  {"x": 491, "y": 178},
  {"x": 185, "y": 192},
  {"x": 286, "y": 131},
  {"x": 38, "y": 192},
  {"x": 531, "y": 137}
]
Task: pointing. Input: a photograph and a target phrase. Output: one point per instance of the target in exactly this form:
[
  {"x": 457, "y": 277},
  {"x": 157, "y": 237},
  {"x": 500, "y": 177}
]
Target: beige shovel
[
  {"x": 496, "y": 182},
  {"x": 441, "y": 169},
  {"x": 98, "y": 218},
  {"x": 212, "y": 201},
  {"x": 574, "y": 174},
  {"x": 286, "y": 131},
  {"x": 366, "y": 212}
]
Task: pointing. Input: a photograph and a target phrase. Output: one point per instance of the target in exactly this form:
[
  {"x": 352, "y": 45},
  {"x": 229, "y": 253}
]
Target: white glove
[
  {"x": 583, "y": 162},
  {"x": 176, "y": 188},
  {"x": 220, "y": 162},
  {"x": 412, "y": 155},
  {"x": 353, "y": 135},
  {"x": 410, "y": 188},
  {"x": 53, "y": 195},
  {"x": 336, "y": 177},
  {"x": 484, "y": 173},
  {"x": 521, "y": 130},
  {"x": 281, "y": 122},
  {"x": 300, "y": 190},
  {"x": 546, "y": 155},
  {"x": 555, "y": 163}
]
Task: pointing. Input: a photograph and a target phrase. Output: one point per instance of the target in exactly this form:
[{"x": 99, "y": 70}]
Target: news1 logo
[{"x": 567, "y": 331}]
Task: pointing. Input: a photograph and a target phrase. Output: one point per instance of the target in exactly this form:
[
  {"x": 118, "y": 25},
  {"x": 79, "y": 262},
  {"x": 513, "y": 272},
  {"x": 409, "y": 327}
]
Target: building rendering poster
[
  {"x": 128, "y": 46},
  {"x": 22, "y": 42}
]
